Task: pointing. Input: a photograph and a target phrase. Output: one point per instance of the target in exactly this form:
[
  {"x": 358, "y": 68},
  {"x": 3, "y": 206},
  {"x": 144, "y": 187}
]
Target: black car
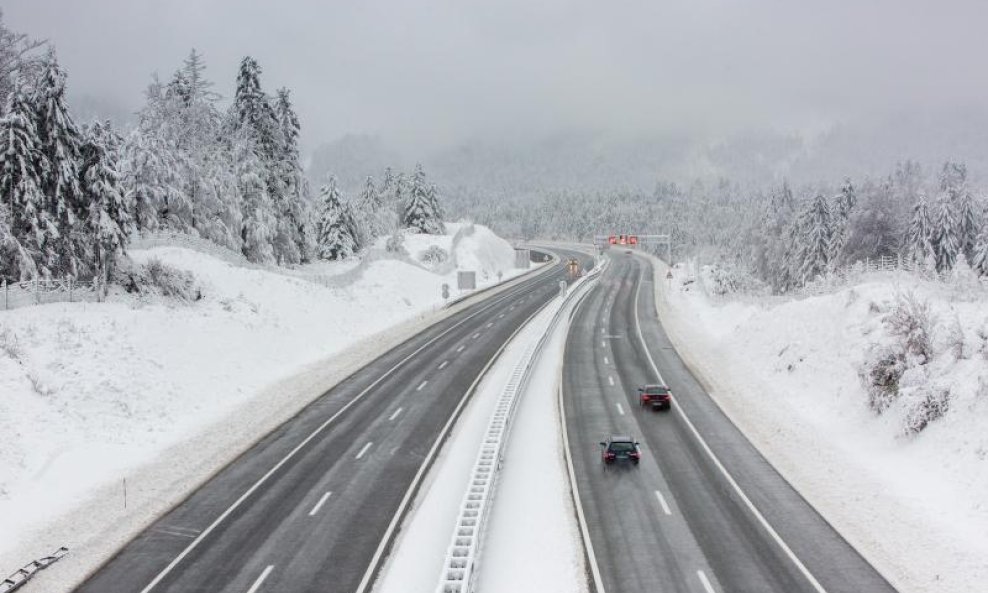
[{"x": 618, "y": 449}]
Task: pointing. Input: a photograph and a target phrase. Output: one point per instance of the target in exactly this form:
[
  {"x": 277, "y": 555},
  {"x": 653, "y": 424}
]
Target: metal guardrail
[
  {"x": 463, "y": 555},
  {"x": 16, "y": 580}
]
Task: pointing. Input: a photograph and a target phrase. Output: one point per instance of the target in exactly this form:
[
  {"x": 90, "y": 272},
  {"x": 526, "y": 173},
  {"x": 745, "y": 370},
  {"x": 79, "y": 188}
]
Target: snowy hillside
[
  {"x": 871, "y": 400},
  {"x": 94, "y": 392}
]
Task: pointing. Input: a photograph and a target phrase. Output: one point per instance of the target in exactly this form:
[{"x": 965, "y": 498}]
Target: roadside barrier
[{"x": 16, "y": 580}]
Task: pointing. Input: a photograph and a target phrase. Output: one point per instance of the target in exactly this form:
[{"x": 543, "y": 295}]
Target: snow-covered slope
[
  {"x": 789, "y": 373},
  {"x": 92, "y": 393}
]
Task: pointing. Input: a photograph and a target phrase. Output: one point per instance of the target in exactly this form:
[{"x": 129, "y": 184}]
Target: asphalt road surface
[
  {"x": 313, "y": 506},
  {"x": 703, "y": 512}
]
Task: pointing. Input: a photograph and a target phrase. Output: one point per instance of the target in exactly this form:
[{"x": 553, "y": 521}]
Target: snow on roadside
[
  {"x": 95, "y": 393},
  {"x": 915, "y": 505}
]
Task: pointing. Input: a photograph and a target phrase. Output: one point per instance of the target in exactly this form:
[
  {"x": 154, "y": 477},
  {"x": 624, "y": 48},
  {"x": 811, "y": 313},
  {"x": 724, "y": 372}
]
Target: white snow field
[
  {"x": 532, "y": 505},
  {"x": 786, "y": 372},
  {"x": 161, "y": 394}
]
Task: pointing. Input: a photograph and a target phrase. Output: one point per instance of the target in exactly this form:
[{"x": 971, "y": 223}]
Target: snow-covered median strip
[
  {"x": 522, "y": 378},
  {"x": 787, "y": 374}
]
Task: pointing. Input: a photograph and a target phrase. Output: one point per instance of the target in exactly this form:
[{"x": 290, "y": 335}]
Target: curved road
[
  {"x": 313, "y": 506},
  {"x": 704, "y": 512}
]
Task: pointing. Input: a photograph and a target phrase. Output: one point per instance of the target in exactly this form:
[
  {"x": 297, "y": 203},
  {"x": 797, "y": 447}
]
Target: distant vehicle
[
  {"x": 658, "y": 397},
  {"x": 573, "y": 267},
  {"x": 627, "y": 251},
  {"x": 618, "y": 449}
]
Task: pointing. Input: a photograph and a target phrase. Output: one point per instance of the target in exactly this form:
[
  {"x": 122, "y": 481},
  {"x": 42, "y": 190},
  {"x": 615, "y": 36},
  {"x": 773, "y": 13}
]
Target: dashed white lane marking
[
  {"x": 395, "y": 415},
  {"x": 606, "y": 361},
  {"x": 620, "y": 409},
  {"x": 460, "y": 349},
  {"x": 443, "y": 365},
  {"x": 319, "y": 504},
  {"x": 662, "y": 502},
  {"x": 705, "y": 582},
  {"x": 421, "y": 385},
  {"x": 260, "y": 579},
  {"x": 363, "y": 450},
  {"x": 610, "y": 380},
  {"x": 490, "y": 324},
  {"x": 176, "y": 533},
  {"x": 501, "y": 316},
  {"x": 603, "y": 343}
]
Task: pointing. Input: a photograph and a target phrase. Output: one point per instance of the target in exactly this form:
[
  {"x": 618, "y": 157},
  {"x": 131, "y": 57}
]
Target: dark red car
[{"x": 658, "y": 397}]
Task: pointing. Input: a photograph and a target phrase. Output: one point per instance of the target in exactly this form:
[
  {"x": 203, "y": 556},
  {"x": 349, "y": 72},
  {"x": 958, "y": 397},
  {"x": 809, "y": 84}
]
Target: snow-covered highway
[
  {"x": 704, "y": 512},
  {"x": 315, "y": 504}
]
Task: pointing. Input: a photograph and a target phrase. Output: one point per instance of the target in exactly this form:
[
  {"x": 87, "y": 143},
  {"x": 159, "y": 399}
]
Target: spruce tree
[
  {"x": 917, "y": 243},
  {"x": 337, "y": 229},
  {"x": 816, "y": 230},
  {"x": 943, "y": 235},
  {"x": 979, "y": 261},
  {"x": 259, "y": 219},
  {"x": 967, "y": 223},
  {"x": 843, "y": 205},
  {"x": 420, "y": 212},
  {"x": 109, "y": 219},
  {"x": 20, "y": 189}
]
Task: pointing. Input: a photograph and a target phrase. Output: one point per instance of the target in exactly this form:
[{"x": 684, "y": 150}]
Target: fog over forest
[{"x": 746, "y": 130}]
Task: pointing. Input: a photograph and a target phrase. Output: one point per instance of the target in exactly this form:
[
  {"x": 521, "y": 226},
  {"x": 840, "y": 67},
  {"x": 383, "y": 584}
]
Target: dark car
[
  {"x": 658, "y": 397},
  {"x": 617, "y": 449}
]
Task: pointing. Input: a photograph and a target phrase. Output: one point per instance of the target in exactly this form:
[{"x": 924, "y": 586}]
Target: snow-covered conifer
[
  {"x": 420, "y": 209},
  {"x": 943, "y": 235},
  {"x": 20, "y": 185},
  {"x": 843, "y": 205},
  {"x": 259, "y": 220},
  {"x": 59, "y": 145},
  {"x": 979, "y": 261},
  {"x": 109, "y": 220},
  {"x": 917, "y": 243},
  {"x": 816, "y": 232},
  {"x": 338, "y": 237}
]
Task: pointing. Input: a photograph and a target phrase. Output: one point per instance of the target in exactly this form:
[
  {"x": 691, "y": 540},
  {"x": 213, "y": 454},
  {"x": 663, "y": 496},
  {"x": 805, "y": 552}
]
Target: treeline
[
  {"x": 71, "y": 197},
  {"x": 781, "y": 237}
]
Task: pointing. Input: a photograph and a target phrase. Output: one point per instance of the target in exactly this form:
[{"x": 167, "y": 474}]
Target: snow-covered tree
[
  {"x": 16, "y": 262},
  {"x": 917, "y": 244},
  {"x": 31, "y": 226},
  {"x": 21, "y": 59},
  {"x": 259, "y": 219},
  {"x": 338, "y": 235},
  {"x": 968, "y": 223},
  {"x": 843, "y": 205},
  {"x": 59, "y": 143},
  {"x": 109, "y": 220},
  {"x": 943, "y": 235},
  {"x": 979, "y": 261},
  {"x": 420, "y": 211},
  {"x": 816, "y": 236}
]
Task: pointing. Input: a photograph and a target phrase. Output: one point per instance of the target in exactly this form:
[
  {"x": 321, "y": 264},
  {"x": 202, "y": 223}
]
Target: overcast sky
[{"x": 424, "y": 74}]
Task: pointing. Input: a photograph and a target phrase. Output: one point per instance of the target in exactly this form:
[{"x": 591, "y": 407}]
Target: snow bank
[
  {"x": 788, "y": 373},
  {"x": 97, "y": 393}
]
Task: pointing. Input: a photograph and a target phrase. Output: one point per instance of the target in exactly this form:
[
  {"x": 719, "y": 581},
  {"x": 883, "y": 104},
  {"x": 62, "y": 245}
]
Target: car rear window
[
  {"x": 656, "y": 390},
  {"x": 622, "y": 447}
]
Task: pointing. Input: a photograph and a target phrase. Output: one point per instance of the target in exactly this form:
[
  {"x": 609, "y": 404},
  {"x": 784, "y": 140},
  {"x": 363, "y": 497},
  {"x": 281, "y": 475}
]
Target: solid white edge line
[
  {"x": 395, "y": 415},
  {"x": 720, "y": 466},
  {"x": 443, "y": 364},
  {"x": 620, "y": 409},
  {"x": 260, "y": 579},
  {"x": 705, "y": 581},
  {"x": 482, "y": 308},
  {"x": 422, "y": 385},
  {"x": 363, "y": 450},
  {"x": 372, "y": 567},
  {"x": 319, "y": 504},
  {"x": 598, "y": 582},
  {"x": 663, "y": 503}
]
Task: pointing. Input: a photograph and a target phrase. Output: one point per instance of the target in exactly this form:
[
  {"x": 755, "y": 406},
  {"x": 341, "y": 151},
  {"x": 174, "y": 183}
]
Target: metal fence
[
  {"x": 17, "y": 580},
  {"x": 39, "y": 292}
]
